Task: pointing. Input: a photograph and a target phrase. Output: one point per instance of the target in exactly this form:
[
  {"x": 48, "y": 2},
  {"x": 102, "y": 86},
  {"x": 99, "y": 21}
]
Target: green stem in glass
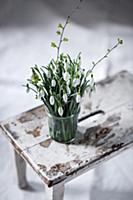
[{"x": 62, "y": 129}]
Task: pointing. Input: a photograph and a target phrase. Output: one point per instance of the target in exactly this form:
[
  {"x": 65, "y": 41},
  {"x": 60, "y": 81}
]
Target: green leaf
[
  {"x": 65, "y": 39},
  {"x": 78, "y": 59},
  {"x": 60, "y": 25},
  {"x": 120, "y": 41},
  {"x": 58, "y": 32},
  {"x": 68, "y": 19},
  {"x": 53, "y": 45},
  {"x": 34, "y": 78}
]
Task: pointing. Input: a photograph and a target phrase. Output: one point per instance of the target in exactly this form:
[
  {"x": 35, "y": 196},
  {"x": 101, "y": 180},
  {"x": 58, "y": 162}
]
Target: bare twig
[
  {"x": 61, "y": 37},
  {"x": 64, "y": 27},
  {"x": 106, "y": 55}
]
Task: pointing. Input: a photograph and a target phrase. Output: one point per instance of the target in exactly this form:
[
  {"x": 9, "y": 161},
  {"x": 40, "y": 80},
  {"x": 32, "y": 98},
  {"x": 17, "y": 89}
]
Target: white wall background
[{"x": 26, "y": 29}]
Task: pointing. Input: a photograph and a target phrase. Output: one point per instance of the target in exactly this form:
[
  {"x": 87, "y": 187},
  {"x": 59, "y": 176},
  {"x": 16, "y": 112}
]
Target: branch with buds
[
  {"x": 61, "y": 29},
  {"x": 119, "y": 42}
]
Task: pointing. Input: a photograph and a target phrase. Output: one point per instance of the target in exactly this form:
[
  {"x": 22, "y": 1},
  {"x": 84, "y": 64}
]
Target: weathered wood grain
[
  {"x": 27, "y": 129},
  {"x": 110, "y": 93},
  {"x": 96, "y": 141},
  {"x": 99, "y": 137}
]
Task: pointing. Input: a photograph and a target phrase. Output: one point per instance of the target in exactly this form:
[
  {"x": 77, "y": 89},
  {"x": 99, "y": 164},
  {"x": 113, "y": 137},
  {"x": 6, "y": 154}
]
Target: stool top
[{"x": 98, "y": 138}]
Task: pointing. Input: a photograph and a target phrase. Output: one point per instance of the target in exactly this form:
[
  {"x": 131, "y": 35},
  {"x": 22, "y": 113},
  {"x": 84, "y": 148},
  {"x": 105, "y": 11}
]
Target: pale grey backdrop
[{"x": 26, "y": 29}]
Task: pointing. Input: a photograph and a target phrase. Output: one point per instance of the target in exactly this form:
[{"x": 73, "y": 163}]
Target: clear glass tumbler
[{"x": 62, "y": 129}]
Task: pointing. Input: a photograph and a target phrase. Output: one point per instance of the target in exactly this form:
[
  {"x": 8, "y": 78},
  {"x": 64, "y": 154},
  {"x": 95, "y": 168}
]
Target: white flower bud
[
  {"x": 68, "y": 90},
  {"x": 78, "y": 98},
  {"x": 92, "y": 81},
  {"x": 53, "y": 83},
  {"x": 65, "y": 97},
  {"x": 68, "y": 82},
  {"x": 41, "y": 94},
  {"x": 60, "y": 111},
  {"x": 65, "y": 67},
  {"x": 52, "y": 101},
  {"x": 76, "y": 82},
  {"x": 48, "y": 74},
  {"x": 66, "y": 76}
]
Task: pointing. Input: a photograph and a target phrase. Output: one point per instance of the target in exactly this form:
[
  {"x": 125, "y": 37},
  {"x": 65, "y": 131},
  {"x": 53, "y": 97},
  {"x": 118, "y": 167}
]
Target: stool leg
[
  {"x": 21, "y": 170},
  {"x": 56, "y": 192}
]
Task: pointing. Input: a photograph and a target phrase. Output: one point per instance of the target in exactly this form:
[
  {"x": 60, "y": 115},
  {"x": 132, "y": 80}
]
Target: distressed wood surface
[{"x": 99, "y": 137}]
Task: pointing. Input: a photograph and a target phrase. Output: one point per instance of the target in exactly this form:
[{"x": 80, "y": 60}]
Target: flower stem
[
  {"x": 63, "y": 28},
  {"x": 30, "y": 88},
  {"x": 105, "y": 56},
  {"x": 61, "y": 37}
]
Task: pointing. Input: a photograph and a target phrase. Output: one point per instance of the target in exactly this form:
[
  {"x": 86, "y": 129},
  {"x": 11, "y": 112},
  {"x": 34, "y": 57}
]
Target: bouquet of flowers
[{"x": 61, "y": 84}]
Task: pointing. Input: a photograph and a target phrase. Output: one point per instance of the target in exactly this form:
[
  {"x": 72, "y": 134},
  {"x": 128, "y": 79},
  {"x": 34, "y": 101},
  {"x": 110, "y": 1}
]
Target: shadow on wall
[{"x": 30, "y": 12}]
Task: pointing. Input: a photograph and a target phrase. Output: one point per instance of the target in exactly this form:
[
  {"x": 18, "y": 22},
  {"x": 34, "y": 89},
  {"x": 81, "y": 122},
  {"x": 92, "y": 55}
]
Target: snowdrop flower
[
  {"x": 68, "y": 90},
  {"x": 48, "y": 74},
  {"x": 76, "y": 82},
  {"x": 68, "y": 82},
  {"x": 65, "y": 97},
  {"x": 65, "y": 67},
  {"x": 92, "y": 80},
  {"x": 52, "y": 100},
  {"x": 60, "y": 111},
  {"x": 41, "y": 94},
  {"x": 66, "y": 76},
  {"x": 53, "y": 83},
  {"x": 78, "y": 98}
]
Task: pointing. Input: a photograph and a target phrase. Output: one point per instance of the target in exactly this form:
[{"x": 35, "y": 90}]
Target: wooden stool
[{"x": 99, "y": 137}]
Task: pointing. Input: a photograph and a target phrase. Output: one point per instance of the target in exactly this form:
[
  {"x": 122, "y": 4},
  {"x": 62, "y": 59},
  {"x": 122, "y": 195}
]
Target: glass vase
[{"x": 62, "y": 129}]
